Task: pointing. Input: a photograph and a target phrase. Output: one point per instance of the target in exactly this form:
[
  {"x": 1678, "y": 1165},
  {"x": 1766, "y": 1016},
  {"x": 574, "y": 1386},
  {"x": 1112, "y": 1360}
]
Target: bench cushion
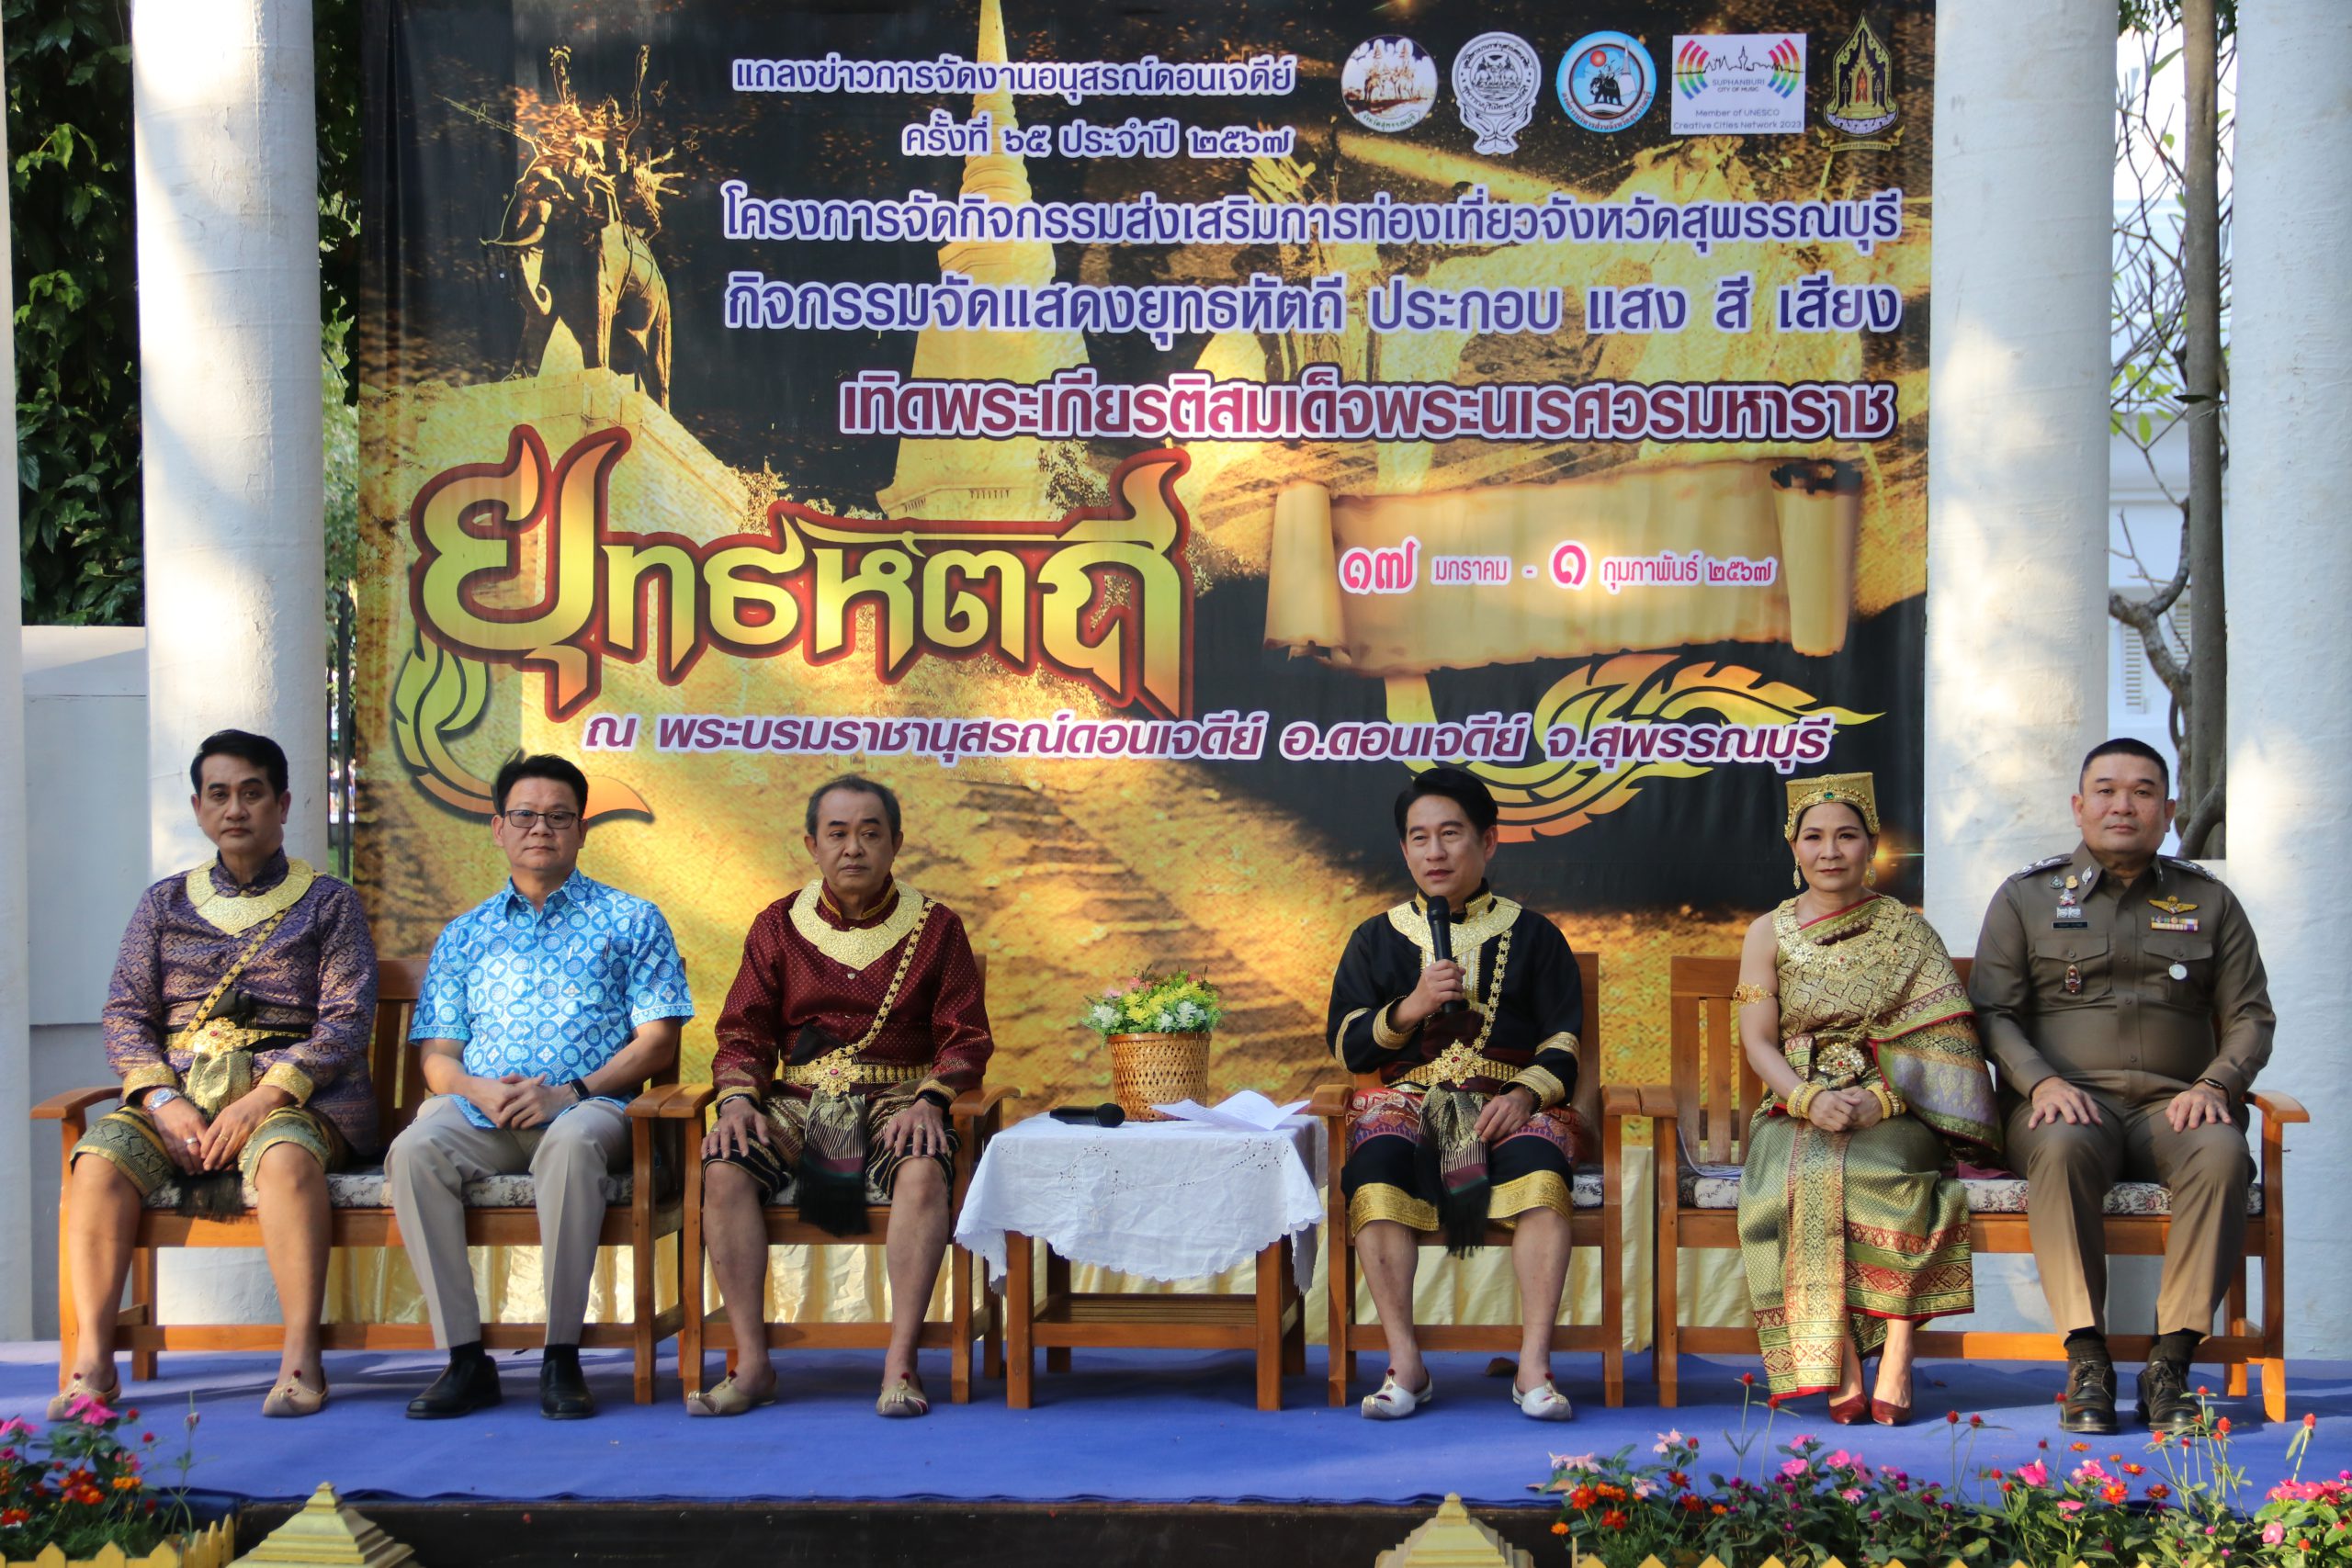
[
  {"x": 364, "y": 1189},
  {"x": 1714, "y": 1189}
]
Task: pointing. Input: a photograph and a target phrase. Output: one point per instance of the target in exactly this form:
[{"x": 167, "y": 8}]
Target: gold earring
[
  {"x": 1796, "y": 878},
  {"x": 1870, "y": 876}
]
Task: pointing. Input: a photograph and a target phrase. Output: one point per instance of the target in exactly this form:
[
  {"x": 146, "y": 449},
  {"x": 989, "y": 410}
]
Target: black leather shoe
[
  {"x": 563, "y": 1391},
  {"x": 2090, "y": 1404},
  {"x": 2166, "y": 1404},
  {"x": 465, "y": 1387}
]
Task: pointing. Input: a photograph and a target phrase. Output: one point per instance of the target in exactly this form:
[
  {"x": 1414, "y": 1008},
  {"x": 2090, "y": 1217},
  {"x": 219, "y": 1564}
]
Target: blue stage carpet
[{"x": 1147, "y": 1427}]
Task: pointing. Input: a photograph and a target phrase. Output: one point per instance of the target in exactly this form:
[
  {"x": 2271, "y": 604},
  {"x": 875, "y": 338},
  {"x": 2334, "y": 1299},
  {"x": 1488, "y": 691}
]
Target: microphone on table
[
  {"x": 1105, "y": 1115},
  {"x": 1441, "y": 945}
]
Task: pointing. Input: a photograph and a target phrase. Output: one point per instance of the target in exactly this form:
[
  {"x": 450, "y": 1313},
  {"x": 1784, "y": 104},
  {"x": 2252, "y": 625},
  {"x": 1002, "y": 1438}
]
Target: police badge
[{"x": 1495, "y": 79}]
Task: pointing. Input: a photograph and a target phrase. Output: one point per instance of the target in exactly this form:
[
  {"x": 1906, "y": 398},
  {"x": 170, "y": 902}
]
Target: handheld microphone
[
  {"x": 1441, "y": 945},
  {"x": 1105, "y": 1115}
]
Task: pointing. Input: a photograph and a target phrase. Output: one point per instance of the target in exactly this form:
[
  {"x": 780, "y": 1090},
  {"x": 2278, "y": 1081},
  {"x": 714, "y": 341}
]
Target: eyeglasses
[{"x": 523, "y": 821}]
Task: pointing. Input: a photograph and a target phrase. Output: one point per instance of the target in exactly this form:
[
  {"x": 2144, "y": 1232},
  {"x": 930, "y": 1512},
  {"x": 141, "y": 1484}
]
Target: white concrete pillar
[
  {"x": 16, "y": 981},
  {"x": 2016, "y": 438},
  {"x": 227, "y": 192},
  {"x": 2290, "y": 572}
]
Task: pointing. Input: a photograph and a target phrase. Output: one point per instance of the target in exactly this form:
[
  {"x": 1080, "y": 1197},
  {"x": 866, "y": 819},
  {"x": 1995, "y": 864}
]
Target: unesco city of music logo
[{"x": 520, "y": 562}]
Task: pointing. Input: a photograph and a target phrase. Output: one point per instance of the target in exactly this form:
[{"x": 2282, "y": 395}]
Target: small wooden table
[
  {"x": 1271, "y": 1320},
  {"x": 1151, "y": 1200}
]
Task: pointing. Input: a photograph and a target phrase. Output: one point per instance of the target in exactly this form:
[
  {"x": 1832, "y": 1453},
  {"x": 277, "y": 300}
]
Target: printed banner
[{"x": 1143, "y": 440}]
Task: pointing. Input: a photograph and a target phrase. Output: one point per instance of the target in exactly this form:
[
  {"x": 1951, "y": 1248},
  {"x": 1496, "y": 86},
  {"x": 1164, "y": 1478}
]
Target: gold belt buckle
[
  {"x": 1457, "y": 1064},
  {"x": 836, "y": 1074},
  {"x": 213, "y": 1037}
]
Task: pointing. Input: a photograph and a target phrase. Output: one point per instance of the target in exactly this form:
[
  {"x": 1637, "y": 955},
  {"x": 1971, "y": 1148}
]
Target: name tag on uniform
[
  {"x": 2069, "y": 917},
  {"x": 2172, "y": 923}
]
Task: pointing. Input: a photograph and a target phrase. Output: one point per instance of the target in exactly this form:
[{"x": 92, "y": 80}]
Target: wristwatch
[
  {"x": 2218, "y": 1083},
  {"x": 579, "y": 1088},
  {"x": 157, "y": 1098}
]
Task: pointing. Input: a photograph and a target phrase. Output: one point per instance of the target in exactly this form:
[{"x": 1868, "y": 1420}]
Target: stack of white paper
[{"x": 1249, "y": 1109}]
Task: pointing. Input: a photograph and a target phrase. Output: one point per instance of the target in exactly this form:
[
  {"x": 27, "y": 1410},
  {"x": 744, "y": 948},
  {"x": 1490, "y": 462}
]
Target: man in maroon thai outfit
[{"x": 855, "y": 1022}]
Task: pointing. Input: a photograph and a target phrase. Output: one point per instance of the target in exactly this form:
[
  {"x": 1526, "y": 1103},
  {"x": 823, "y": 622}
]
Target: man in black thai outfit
[{"x": 1477, "y": 1058}]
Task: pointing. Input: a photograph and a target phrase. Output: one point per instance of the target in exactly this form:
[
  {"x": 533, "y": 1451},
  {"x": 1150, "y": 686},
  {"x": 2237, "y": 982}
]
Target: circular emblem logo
[
  {"x": 1607, "y": 80},
  {"x": 1496, "y": 78},
  {"x": 1389, "y": 84}
]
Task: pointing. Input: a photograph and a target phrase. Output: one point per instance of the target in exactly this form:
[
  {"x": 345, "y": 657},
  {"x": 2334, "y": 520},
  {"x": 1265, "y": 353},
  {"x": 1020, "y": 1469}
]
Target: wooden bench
[
  {"x": 1597, "y": 1223},
  {"x": 1714, "y": 1094},
  {"x": 978, "y": 1115},
  {"x": 643, "y": 1205}
]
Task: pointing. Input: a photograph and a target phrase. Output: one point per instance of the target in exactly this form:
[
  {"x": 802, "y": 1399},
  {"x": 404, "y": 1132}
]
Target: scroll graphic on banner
[
  {"x": 1142, "y": 442},
  {"x": 1644, "y": 558}
]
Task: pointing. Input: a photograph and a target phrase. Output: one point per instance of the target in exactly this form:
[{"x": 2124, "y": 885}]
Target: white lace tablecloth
[{"x": 1160, "y": 1200}]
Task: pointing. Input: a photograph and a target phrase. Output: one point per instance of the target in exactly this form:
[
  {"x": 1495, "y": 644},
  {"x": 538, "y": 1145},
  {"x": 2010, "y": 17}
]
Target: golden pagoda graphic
[{"x": 980, "y": 479}]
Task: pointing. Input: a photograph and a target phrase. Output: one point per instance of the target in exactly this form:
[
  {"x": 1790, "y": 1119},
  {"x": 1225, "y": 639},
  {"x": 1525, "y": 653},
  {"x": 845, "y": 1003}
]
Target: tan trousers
[
  {"x": 2068, "y": 1170},
  {"x": 426, "y": 1170}
]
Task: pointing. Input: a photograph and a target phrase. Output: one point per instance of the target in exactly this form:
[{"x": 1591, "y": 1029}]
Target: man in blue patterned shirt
[{"x": 544, "y": 1009}]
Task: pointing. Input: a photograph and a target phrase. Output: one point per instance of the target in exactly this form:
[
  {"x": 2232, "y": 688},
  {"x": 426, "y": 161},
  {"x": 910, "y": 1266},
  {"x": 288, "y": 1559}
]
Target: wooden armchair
[
  {"x": 1598, "y": 1223},
  {"x": 643, "y": 1205},
  {"x": 1706, "y": 1110},
  {"x": 978, "y": 1115}
]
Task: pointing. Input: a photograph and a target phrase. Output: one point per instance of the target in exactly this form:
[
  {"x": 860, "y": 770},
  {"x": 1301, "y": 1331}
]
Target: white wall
[{"x": 86, "y": 754}]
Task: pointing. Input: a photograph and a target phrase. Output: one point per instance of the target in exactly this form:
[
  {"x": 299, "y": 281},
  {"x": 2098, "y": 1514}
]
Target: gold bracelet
[
  {"x": 1889, "y": 1105},
  {"x": 1799, "y": 1104}
]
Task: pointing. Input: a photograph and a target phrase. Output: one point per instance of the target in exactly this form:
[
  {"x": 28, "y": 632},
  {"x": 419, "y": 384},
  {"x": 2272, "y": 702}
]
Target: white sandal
[
  {"x": 1395, "y": 1400},
  {"x": 1542, "y": 1403}
]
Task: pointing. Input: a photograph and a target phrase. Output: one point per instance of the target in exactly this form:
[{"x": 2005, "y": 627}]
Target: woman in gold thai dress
[{"x": 1851, "y": 1231}]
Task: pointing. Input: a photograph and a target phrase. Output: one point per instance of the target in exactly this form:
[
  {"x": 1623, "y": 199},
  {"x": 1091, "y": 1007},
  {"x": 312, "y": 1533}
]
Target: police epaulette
[
  {"x": 2043, "y": 864},
  {"x": 2188, "y": 865}
]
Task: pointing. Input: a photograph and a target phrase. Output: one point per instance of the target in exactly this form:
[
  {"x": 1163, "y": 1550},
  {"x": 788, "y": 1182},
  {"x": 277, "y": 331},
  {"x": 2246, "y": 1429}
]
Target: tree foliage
[
  {"x": 68, "y": 65},
  {"x": 76, "y": 315}
]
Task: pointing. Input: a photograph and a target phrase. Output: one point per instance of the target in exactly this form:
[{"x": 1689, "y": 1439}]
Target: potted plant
[
  {"x": 1158, "y": 1028},
  {"x": 82, "y": 1485}
]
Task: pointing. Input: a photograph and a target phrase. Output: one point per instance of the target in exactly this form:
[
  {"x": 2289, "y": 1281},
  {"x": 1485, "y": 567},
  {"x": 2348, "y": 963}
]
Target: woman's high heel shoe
[
  {"x": 1849, "y": 1412},
  {"x": 1888, "y": 1414}
]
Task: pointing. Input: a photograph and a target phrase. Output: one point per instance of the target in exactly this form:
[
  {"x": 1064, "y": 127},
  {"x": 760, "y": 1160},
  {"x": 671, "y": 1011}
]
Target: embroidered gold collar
[
  {"x": 1487, "y": 916},
  {"x": 235, "y": 913},
  {"x": 861, "y": 946}
]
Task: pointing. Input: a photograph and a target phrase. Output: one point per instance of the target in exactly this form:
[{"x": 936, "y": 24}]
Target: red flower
[
  {"x": 1691, "y": 1503},
  {"x": 1582, "y": 1497},
  {"x": 1977, "y": 1420},
  {"x": 1678, "y": 1479},
  {"x": 11, "y": 1518},
  {"x": 1747, "y": 1380},
  {"x": 2309, "y": 1420},
  {"x": 1951, "y": 1418},
  {"x": 2221, "y": 1428},
  {"x": 2135, "y": 1469},
  {"x": 1772, "y": 1401},
  {"x": 2079, "y": 1448},
  {"x": 1614, "y": 1519},
  {"x": 2113, "y": 1492},
  {"x": 2160, "y": 1492}
]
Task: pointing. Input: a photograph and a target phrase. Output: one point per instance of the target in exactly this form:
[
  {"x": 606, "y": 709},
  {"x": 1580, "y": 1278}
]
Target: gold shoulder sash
[
  {"x": 860, "y": 948},
  {"x": 234, "y": 914}
]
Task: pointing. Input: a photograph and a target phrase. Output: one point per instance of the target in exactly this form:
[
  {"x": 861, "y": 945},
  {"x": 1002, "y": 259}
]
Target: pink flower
[
  {"x": 2035, "y": 1474},
  {"x": 2070, "y": 1507},
  {"x": 1793, "y": 1467},
  {"x": 2273, "y": 1533},
  {"x": 1667, "y": 1440},
  {"x": 89, "y": 1410},
  {"x": 1852, "y": 1494},
  {"x": 2088, "y": 1474},
  {"x": 1840, "y": 1460}
]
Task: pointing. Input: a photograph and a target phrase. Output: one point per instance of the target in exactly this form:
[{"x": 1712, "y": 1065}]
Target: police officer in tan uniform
[{"x": 2121, "y": 995}]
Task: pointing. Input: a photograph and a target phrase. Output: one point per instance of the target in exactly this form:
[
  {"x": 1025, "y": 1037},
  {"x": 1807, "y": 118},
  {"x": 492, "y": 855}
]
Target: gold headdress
[{"x": 1857, "y": 790}]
